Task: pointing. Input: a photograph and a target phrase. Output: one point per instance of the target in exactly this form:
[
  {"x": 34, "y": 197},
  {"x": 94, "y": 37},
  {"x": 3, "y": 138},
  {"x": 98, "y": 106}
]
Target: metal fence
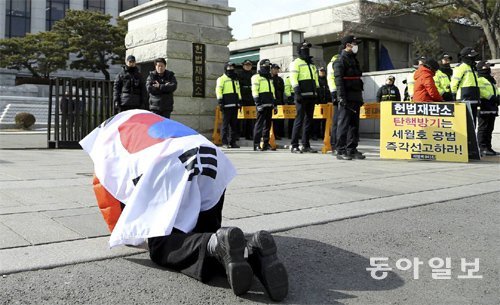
[{"x": 77, "y": 106}]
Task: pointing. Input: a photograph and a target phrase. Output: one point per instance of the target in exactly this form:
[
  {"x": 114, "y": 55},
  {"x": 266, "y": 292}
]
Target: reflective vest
[
  {"x": 304, "y": 76},
  {"x": 488, "y": 95},
  {"x": 464, "y": 83},
  {"x": 228, "y": 90},
  {"x": 263, "y": 91},
  {"x": 410, "y": 82},
  {"x": 329, "y": 74},
  {"x": 288, "y": 86},
  {"x": 442, "y": 82}
]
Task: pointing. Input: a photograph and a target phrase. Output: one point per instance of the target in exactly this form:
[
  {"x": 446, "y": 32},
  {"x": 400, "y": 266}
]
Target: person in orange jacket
[{"x": 425, "y": 89}]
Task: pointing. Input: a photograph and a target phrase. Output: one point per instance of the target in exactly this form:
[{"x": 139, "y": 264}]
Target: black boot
[
  {"x": 266, "y": 265},
  {"x": 229, "y": 252}
]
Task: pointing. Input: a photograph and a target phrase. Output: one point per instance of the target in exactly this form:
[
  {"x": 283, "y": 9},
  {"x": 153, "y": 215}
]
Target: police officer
[
  {"x": 227, "y": 91},
  {"x": 489, "y": 107},
  {"x": 245, "y": 79},
  {"x": 350, "y": 96},
  {"x": 304, "y": 81},
  {"x": 324, "y": 97},
  {"x": 161, "y": 85},
  {"x": 445, "y": 65},
  {"x": 129, "y": 90},
  {"x": 443, "y": 85},
  {"x": 464, "y": 83},
  {"x": 333, "y": 89},
  {"x": 265, "y": 101},
  {"x": 279, "y": 91},
  {"x": 388, "y": 92}
]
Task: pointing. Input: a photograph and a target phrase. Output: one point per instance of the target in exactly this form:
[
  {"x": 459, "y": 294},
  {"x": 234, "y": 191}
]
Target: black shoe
[
  {"x": 266, "y": 266},
  {"x": 230, "y": 253},
  {"x": 344, "y": 157},
  {"x": 492, "y": 151},
  {"x": 487, "y": 152},
  {"x": 235, "y": 145},
  {"x": 296, "y": 150},
  {"x": 256, "y": 147},
  {"x": 308, "y": 150},
  {"x": 226, "y": 146},
  {"x": 358, "y": 156},
  {"x": 268, "y": 147}
]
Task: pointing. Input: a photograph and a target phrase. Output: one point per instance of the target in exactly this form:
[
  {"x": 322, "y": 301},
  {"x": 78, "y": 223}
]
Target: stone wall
[{"x": 168, "y": 28}]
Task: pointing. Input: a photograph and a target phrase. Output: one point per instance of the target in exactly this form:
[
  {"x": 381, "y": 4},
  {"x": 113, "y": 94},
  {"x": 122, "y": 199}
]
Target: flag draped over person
[{"x": 163, "y": 171}]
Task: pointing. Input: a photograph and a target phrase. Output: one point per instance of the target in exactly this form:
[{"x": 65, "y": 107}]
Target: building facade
[
  {"x": 33, "y": 16},
  {"x": 387, "y": 42}
]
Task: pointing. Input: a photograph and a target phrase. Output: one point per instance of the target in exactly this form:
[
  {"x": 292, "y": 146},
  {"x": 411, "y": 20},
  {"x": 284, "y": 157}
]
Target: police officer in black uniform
[
  {"x": 245, "y": 80},
  {"x": 129, "y": 89},
  {"x": 350, "y": 97}
]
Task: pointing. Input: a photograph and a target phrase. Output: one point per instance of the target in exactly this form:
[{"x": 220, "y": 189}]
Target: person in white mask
[{"x": 347, "y": 74}]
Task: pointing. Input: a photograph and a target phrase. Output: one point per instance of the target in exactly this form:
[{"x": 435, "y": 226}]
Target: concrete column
[
  {"x": 168, "y": 28},
  {"x": 38, "y": 16},
  {"x": 3, "y": 7},
  {"x": 76, "y": 4}
]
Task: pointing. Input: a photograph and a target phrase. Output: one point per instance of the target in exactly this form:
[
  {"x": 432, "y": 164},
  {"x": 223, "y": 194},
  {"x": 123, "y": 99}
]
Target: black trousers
[
  {"x": 304, "y": 118},
  {"x": 347, "y": 129},
  {"x": 262, "y": 126},
  {"x": 486, "y": 124},
  {"x": 333, "y": 132},
  {"x": 187, "y": 252},
  {"x": 163, "y": 113},
  {"x": 229, "y": 125}
]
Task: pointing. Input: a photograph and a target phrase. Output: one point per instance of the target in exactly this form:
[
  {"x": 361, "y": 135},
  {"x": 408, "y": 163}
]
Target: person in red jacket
[{"x": 425, "y": 89}]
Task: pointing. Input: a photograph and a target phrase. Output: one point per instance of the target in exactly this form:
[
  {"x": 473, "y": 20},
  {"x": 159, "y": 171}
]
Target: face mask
[
  {"x": 230, "y": 73},
  {"x": 304, "y": 53},
  {"x": 265, "y": 70},
  {"x": 355, "y": 49}
]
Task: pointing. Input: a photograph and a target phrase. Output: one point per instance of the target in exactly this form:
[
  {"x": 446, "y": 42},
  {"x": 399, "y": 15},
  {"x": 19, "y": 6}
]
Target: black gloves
[
  {"x": 221, "y": 103},
  {"x": 290, "y": 99},
  {"x": 275, "y": 109},
  {"x": 334, "y": 97}
]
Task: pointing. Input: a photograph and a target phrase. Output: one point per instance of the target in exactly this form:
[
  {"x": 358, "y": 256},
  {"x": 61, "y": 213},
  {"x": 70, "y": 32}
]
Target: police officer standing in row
[
  {"x": 442, "y": 78},
  {"x": 333, "y": 89},
  {"x": 227, "y": 91},
  {"x": 304, "y": 81},
  {"x": 245, "y": 79},
  {"x": 350, "y": 97},
  {"x": 464, "y": 83},
  {"x": 489, "y": 107},
  {"x": 129, "y": 89},
  {"x": 389, "y": 91},
  {"x": 265, "y": 101}
]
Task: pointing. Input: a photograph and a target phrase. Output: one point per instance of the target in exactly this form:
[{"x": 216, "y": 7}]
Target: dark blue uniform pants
[{"x": 305, "y": 112}]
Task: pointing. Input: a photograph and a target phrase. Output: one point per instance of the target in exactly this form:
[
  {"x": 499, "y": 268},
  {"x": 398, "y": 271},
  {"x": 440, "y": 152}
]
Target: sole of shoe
[
  {"x": 343, "y": 158},
  {"x": 271, "y": 271},
  {"x": 239, "y": 273}
]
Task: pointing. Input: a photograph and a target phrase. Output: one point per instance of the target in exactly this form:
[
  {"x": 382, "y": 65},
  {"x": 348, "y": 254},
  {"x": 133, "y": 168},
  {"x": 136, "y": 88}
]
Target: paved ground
[
  {"x": 48, "y": 216},
  {"x": 326, "y": 263}
]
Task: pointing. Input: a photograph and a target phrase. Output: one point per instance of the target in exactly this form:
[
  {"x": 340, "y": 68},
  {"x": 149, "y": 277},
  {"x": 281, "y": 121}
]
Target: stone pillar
[{"x": 168, "y": 28}]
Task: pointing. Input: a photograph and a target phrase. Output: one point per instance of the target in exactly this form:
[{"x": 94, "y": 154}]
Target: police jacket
[
  {"x": 324, "y": 95},
  {"x": 348, "y": 78},
  {"x": 263, "y": 91},
  {"x": 279, "y": 89},
  {"x": 464, "y": 83},
  {"x": 388, "y": 93},
  {"x": 329, "y": 74},
  {"x": 304, "y": 77},
  {"x": 288, "y": 90},
  {"x": 227, "y": 91},
  {"x": 410, "y": 84},
  {"x": 162, "y": 98},
  {"x": 443, "y": 85},
  {"x": 489, "y": 96},
  {"x": 129, "y": 88},
  {"x": 245, "y": 80}
]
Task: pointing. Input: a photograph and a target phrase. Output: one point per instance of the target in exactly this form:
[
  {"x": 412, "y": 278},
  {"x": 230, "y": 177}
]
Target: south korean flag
[{"x": 163, "y": 171}]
